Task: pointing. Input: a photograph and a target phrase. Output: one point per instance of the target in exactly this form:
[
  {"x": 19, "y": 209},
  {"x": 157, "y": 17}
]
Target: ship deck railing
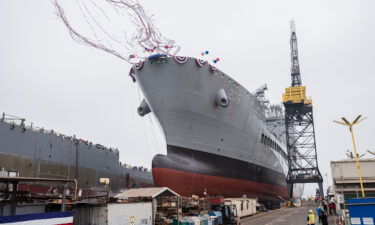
[{"x": 14, "y": 121}]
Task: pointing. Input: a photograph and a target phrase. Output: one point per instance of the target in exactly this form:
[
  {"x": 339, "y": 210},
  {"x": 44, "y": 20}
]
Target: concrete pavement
[{"x": 286, "y": 216}]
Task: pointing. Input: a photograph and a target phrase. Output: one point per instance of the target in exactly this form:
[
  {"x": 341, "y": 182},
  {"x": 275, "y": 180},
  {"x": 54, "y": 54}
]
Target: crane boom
[
  {"x": 296, "y": 93},
  {"x": 295, "y": 71}
]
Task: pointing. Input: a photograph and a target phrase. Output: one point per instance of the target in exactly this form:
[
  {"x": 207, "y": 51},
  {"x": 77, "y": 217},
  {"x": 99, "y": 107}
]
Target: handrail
[{"x": 20, "y": 122}]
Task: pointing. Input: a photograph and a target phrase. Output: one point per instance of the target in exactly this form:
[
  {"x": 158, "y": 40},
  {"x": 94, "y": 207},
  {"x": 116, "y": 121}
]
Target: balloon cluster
[{"x": 205, "y": 53}]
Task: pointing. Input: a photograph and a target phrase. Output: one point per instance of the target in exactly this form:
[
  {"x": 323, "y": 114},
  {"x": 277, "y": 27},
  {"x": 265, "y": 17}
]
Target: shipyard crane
[{"x": 299, "y": 125}]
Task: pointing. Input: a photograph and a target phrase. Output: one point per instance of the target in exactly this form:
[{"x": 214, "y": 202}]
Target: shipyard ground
[{"x": 285, "y": 216}]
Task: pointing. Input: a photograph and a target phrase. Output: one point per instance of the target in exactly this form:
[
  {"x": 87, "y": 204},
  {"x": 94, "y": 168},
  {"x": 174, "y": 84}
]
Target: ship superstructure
[{"x": 30, "y": 151}]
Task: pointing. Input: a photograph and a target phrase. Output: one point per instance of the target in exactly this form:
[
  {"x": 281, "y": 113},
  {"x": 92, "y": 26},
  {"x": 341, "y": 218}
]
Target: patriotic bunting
[
  {"x": 138, "y": 65},
  {"x": 200, "y": 62},
  {"x": 181, "y": 59}
]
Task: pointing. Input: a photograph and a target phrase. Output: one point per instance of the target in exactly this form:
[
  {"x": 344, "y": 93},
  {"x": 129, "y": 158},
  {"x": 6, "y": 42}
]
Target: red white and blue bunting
[
  {"x": 200, "y": 62},
  {"x": 138, "y": 65},
  {"x": 181, "y": 59},
  {"x": 213, "y": 69}
]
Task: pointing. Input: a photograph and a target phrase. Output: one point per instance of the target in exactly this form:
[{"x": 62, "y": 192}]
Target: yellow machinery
[{"x": 296, "y": 94}]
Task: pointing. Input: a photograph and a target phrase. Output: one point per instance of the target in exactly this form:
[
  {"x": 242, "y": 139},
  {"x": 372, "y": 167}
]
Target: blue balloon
[
  {"x": 215, "y": 61},
  {"x": 207, "y": 52}
]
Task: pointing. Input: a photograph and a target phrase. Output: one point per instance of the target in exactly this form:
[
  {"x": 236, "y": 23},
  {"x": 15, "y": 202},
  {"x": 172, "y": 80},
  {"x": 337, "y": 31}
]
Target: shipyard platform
[{"x": 286, "y": 216}]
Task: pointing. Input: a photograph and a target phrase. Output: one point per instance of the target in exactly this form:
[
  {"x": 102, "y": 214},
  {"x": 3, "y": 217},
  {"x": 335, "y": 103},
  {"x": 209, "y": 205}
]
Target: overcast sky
[{"x": 58, "y": 84}]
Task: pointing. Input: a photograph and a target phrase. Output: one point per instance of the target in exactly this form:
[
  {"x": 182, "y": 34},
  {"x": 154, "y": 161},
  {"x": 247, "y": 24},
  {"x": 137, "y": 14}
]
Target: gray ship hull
[
  {"x": 32, "y": 152},
  {"x": 184, "y": 98}
]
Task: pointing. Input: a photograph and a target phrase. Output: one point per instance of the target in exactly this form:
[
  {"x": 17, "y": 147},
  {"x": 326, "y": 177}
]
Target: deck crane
[{"x": 299, "y": 125}]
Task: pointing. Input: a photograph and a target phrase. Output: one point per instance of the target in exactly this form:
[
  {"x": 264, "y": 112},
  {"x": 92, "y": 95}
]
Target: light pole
[{"x": 350, "y": 125}]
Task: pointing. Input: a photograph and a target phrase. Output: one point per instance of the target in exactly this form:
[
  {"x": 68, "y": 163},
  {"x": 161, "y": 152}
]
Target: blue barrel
[{"x": 361, "y": 211}]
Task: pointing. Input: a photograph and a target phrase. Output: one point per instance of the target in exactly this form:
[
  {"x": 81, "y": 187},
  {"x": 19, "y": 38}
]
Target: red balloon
[
  {"x": 166, "y": 46},
  {"x": 217, "y": 59}
]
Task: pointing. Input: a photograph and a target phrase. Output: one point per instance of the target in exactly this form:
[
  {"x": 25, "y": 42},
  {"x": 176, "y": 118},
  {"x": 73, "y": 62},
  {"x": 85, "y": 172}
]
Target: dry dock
[{"x": 285, "y": 216}]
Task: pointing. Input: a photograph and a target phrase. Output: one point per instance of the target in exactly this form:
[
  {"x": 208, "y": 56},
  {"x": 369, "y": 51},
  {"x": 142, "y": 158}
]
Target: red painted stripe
[{"x": 188, "y": 183}]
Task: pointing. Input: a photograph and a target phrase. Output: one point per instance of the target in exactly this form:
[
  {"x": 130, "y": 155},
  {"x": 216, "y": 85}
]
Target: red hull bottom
[{"x": 188, "y": 183}]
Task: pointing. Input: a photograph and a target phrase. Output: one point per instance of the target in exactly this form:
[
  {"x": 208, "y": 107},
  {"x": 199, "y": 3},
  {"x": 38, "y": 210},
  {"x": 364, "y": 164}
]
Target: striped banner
[
  {"x": 181, "y": 59},
  {"x": 51, "y": 218}
]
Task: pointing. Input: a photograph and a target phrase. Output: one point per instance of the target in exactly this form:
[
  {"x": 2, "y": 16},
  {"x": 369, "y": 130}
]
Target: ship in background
[
  {"x": 275, "y": 121},
  {"x": 219, "y": 139},
  {"x": 29, "y": 151}
]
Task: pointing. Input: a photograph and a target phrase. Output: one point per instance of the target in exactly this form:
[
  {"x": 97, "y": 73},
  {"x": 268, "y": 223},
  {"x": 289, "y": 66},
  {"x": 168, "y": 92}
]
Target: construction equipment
[{"x": 299, "y": 124}]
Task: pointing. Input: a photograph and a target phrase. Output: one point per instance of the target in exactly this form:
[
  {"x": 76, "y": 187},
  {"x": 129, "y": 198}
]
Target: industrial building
[{"x": 346, "y": 181}]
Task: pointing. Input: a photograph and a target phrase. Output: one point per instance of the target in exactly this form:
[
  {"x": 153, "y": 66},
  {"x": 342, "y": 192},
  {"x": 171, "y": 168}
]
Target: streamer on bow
[{"x": 119, "y": 27}]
